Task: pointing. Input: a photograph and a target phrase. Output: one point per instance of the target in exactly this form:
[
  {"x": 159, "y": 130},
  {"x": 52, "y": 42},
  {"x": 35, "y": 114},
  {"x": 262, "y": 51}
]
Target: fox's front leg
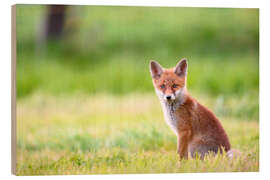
[{"x": 182, "y": 144}]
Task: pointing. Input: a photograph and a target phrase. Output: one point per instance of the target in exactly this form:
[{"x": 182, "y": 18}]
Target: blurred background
[
  {"x": 99, "y": 49},
  {"x": 85, "y": 99}
]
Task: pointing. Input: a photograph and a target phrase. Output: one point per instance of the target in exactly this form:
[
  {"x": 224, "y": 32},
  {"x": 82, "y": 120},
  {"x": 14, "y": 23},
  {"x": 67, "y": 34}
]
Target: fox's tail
[{"x": 233, "y": 153}]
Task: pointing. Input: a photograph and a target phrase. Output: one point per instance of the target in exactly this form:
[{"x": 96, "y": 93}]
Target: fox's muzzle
[{"x": 169, "y": 97}]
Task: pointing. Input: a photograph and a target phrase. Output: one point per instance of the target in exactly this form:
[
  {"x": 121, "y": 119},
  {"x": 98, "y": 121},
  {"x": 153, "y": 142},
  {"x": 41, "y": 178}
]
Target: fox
[{"x": 198, "y": 130}]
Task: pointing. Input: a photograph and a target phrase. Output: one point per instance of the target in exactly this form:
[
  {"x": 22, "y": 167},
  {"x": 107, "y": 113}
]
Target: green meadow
[{"x": 86, "y": 104}]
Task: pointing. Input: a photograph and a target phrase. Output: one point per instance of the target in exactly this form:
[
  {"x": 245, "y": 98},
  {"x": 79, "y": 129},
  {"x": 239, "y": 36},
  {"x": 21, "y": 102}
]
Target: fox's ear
[
  {"x": 155, "y": 69},
  {"x": 181, "y": 68}
]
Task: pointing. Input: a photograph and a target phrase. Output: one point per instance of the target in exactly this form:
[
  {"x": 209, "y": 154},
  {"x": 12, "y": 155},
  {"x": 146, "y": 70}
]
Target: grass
[
  {"x": 127, "y": 134},
  {"x": 211, "y": 75}
]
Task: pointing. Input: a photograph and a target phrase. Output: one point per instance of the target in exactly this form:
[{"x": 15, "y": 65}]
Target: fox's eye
[
  {"x": 162, "y": 86},
  {"x": 175, "y": 86}
]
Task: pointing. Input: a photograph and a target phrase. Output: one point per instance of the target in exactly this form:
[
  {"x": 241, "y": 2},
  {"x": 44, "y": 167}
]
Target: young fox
[{"x": 197, "y": 129}]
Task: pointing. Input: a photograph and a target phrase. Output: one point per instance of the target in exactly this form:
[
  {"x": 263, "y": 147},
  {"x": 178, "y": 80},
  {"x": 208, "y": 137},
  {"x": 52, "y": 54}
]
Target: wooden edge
[{"x": 13, "y": 90}]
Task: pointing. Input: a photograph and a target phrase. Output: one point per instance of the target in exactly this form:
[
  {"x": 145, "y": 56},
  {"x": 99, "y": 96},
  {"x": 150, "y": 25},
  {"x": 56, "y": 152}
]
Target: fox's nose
[{"x": 168, "y": 97}]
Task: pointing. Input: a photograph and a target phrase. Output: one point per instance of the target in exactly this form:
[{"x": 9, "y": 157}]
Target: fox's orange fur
[{"x": 197, "y": 129}]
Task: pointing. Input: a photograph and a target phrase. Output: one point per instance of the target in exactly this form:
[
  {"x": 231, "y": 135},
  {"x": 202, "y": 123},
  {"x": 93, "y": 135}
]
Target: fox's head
[{"x": 170, "y": 84}]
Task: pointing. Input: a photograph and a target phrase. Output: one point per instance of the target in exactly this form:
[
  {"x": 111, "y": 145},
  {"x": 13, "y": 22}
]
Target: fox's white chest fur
[
  {"x": 169, "y": 109},
  {"x": 170, "y": 115}
]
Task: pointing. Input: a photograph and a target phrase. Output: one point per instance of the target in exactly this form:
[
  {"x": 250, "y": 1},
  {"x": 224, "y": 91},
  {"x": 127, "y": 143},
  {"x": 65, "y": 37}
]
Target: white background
[{"x": 5, "y": 85}]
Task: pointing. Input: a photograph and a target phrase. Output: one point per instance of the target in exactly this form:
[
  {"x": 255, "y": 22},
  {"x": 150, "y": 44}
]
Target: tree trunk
[{"x": 55, "y": 21}]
